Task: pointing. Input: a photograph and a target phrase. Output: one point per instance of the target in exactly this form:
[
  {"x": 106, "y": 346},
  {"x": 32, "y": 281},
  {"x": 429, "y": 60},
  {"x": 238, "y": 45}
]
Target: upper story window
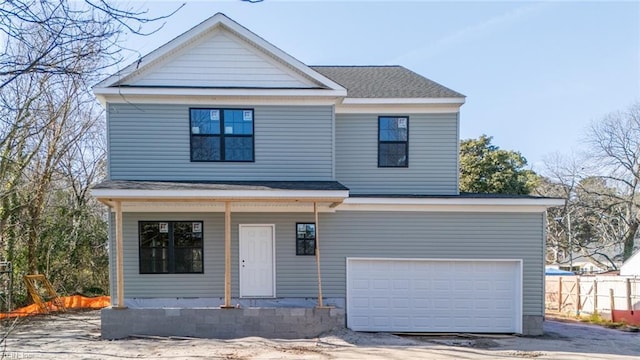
[
  {"x": 221, "y": 134},
  {"x": 170, "y": 247},
  {"x": 393, "y": 141}
]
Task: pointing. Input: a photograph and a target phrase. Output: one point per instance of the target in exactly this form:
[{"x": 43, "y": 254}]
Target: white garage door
[{"x": 425, "y": 295}]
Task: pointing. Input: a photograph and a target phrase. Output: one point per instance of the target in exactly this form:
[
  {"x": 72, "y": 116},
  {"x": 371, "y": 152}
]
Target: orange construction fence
[{"x": 69, "y": 302}]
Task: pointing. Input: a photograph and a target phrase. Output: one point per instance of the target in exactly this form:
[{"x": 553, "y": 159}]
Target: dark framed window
[
  {"x": 170, "y": 247},
  {"x": 305, "y": 238},
  {"x": 221, "y": 134},
  {"x": 393, "y": 141}
]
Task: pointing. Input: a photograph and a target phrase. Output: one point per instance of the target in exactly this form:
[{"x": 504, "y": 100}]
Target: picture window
[
  {"x": 170, "y": 247},
  {"x": 221, "y": 135}
]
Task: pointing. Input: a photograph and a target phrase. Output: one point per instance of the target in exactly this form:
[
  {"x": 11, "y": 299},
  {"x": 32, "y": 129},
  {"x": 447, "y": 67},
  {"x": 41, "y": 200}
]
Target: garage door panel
[
  {"x": 379, "y": 303},
  {"x": 360, "y": 284},
  {"x": 441, "y": 285},
  {"x": 360, "y": 302},
  {"x": 421, "y": 304},
  {"x": 422, "y": 295},
  {"x": 401, "y": 284},
  {"x": 360, "y": 321},
  {"x": 401, "y": 303}
]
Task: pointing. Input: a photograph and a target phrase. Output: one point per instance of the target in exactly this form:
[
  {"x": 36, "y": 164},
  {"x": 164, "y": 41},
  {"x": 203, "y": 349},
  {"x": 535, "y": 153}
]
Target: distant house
[
  {"x": 249, "y": 191},
  {"x": 581, "y": 265},
  {"x": 631, "y": 267}
]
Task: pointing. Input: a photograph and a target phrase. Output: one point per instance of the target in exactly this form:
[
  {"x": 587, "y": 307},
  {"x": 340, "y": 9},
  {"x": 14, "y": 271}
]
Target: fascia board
[
  {"x": 219, "y": 206},
  {"x": 549, "y": 202},
  {"x": 123, "y": 91},
  {"x": 123, "y": 194},
  {"x": 388, "y": 101},
  {"x": 449, "y": 204},
  {"x": 445, "y": 208},
  {"x": 342, "y": 108},
  {"x": 208, "y": 101}
]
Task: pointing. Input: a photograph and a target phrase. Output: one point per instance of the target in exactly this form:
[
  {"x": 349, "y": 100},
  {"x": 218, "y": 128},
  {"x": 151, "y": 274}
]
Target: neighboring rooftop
[{"x": 385, "y": 82}]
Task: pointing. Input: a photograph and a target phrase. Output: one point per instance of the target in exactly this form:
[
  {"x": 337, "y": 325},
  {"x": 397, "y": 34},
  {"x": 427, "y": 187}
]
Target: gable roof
[
  {"x": 196, "y": 64},
  {"x": 219, "y": 22},
  {"x": 385, "y": 82}
]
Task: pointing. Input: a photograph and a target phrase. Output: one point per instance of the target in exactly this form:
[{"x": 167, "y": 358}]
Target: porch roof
[
  {"x": 143, "y": 190},
  {"x": 219, "y": 185}
]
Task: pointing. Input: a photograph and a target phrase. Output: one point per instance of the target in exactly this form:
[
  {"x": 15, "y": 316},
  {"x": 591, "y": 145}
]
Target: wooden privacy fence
[{"x": 614, "y": 297}]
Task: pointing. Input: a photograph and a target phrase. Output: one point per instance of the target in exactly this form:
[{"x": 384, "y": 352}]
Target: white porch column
[{"x": 119, "y": 259}]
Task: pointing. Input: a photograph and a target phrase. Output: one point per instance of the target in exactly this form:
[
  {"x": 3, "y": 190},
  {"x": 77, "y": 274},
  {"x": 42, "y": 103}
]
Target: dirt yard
[{"x": 77, "y": 336}]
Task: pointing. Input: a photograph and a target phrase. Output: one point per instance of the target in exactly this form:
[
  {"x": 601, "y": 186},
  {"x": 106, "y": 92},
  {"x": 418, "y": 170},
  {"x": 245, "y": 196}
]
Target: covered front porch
[{"x": 229, "y": 301}]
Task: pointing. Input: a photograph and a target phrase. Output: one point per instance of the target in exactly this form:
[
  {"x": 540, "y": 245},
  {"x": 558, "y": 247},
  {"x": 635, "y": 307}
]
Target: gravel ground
[{"x": 77, "y": 336}]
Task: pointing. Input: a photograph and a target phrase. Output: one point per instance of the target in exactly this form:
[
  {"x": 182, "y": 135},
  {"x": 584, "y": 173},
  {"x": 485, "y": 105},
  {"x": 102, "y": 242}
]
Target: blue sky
[{"x": 536, "y": 74}]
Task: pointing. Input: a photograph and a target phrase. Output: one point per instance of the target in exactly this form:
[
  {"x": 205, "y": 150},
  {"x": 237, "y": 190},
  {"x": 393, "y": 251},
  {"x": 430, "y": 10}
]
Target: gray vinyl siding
[
  {"x": 223, "y": 60},
  {"x": 296, "y": 275},
  {"x": 152, "y": 142},
  {"x": 348, "y": 234},
  {"x": 433, "y": 155},
  {"x": 208, "y": 284},
  {"x": 434, "y": 235}
]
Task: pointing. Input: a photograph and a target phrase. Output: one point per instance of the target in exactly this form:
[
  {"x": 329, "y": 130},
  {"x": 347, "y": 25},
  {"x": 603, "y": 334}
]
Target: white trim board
[
  {"x": 187, "y": 91},
  {"x": 218, "y": 194},
  {"x": 236, "y": 100},
  {"x": 388, "y": 101},
  {"x": 397, "y": 108},
  {"x": 218, "y": 206},
  {"x": 449, "y": 204}
]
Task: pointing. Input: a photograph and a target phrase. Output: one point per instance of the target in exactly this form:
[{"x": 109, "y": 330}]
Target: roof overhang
[
  {"x": 220, "y": 195},
  {"x": 150, "y": 195},
  {"x": 255, "y": 96},
  {"x": 399, "y": 105},
  {"x": 295, "y": 196},
  {"x": 450, "y": 204},
  {"x": 388, "y": 101}
]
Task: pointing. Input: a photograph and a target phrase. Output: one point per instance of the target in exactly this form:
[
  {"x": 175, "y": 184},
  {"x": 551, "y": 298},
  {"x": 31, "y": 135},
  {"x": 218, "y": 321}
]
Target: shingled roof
[
  {"x": 385, "y": 82},
  {"x": 219, "y": 185}
]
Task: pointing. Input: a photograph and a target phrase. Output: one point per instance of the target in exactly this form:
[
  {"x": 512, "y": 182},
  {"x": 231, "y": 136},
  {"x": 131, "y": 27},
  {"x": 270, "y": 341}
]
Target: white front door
[{"x": 257, "y": 265}]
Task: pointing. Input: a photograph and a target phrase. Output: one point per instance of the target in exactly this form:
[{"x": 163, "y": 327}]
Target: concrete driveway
[{"x": 76, "y": 336}]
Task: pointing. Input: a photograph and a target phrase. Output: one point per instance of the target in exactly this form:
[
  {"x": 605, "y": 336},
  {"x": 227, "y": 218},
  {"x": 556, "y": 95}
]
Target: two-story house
[{"x": 252, "y": 194}]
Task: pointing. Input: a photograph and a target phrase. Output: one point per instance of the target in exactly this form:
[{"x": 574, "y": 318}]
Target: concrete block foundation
[
  {"x": 532, "y": 325},
  {"x": 284, "y": 323},
  {"x": 280, "y": 322}
]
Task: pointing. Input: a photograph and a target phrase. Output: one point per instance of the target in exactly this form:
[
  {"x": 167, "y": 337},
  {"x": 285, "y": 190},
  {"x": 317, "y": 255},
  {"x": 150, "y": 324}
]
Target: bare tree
[
  {"x": 52, "y": 135},
  {"x": 615, "y": 149},
  {"x": 560, "y": 181},
  {"x": 589, "y": 223},
  {"x": 65, "y": 28}
]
